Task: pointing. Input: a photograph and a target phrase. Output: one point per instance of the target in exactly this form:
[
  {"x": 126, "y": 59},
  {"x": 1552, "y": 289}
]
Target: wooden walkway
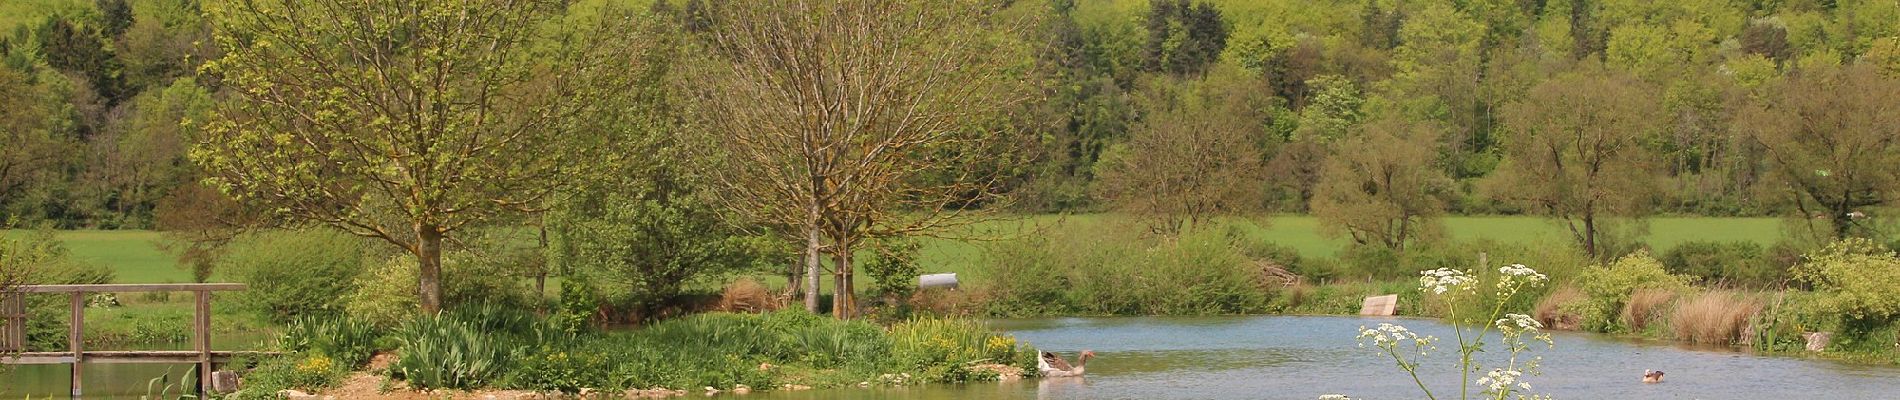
[{"x": 13, "y": 334}]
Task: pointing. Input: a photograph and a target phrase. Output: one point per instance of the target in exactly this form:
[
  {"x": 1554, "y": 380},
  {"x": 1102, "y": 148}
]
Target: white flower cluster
[
  {"x": 1439, "y": 281},
  {"x": 1516, "y": 274},
  {"x": 1518, "y": 323},
  {"x": 1501, "y": 381},
  {"x": 1389, "y": 335}
]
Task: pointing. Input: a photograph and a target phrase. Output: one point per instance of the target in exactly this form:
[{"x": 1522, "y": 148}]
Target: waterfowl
[
  {"x": 1055, "y": 367},
  {"x": 1652, "y": 376}
]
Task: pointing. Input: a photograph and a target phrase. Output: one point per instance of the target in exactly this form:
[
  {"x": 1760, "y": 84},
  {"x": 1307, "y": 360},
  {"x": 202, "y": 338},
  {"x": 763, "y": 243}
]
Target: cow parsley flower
[{"x": 1439, "y": 281}]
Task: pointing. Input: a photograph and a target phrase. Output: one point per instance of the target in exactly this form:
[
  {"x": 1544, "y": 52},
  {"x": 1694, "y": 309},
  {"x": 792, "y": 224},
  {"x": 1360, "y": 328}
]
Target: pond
[
  {"x": 1272, "y": 357},
  {"x": 1296, "y": 357},
  {"x": 113, "y": 381}
]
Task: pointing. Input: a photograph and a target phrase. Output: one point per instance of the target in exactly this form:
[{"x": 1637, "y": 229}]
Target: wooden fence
[{"x": 13, "y": 335}]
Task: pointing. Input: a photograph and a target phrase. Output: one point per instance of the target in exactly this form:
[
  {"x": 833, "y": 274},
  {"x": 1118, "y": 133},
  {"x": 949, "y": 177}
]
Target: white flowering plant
[{"x": 1516, "y": 332}]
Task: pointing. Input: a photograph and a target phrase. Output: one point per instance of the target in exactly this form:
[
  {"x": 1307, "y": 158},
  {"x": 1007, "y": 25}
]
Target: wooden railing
[{"x": 13, "y": 337}]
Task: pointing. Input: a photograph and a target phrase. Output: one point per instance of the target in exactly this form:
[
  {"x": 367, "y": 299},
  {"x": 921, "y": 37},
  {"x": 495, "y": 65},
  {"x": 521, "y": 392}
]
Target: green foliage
[
  {"x": 640, "y": 250},
  {"x": 1607, "y": 287},
  {"x": 41, "y": 259},
  {"x": 347, "y": 341},
  {"x": 301, "y": 371},
  {"x": 293, "y": 273},
  {"x": 1726, "y": 263},
  {"x": 386, "y": 294},
  {"x": 1120, "y": 272},
  {"x": 893, "y": 268},
  {"x": 452, "y": 351},
  {"x": 1856, "y": 277}
]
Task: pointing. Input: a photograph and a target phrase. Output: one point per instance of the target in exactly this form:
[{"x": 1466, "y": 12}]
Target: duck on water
[{"x": 1052, "y": 366}]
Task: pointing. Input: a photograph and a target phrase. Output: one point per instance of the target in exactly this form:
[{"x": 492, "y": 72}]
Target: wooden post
[
  {"x": 74, "y": 341},
  {"x": 201, "y": 339},
  {"x": 13, "y": 336}
]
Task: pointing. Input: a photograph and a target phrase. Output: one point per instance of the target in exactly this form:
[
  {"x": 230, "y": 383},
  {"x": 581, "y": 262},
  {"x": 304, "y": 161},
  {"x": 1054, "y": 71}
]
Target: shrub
[
  {"x": 1714, "y": 317},
  {"x": 1119, "y": 272},
  {"x": 43, "y": 259},
  {"x": 1607, "y": 288},
  {"x": 1737, "y": 263},
  {"x": 893, "y": 269},
  {"x": 640, "y": 244},
  {"x": 386, "y": 294},
  {"x": 1856, "y": 277},
  {"x": 294, "y": 273}
]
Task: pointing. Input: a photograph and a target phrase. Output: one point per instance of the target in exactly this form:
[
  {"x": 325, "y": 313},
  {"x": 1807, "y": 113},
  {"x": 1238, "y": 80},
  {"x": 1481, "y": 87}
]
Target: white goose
[{"x": 1055, "y": 367}]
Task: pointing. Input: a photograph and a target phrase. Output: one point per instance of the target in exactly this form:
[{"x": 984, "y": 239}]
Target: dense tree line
[{"x": 1376, "y": 115}]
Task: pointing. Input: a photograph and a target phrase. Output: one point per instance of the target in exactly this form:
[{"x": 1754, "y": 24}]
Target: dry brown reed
[
  {"x": 748, "y": 295},
  {"x": 1550, "y": 311},
  {"x": 1646, "y": 306},
  {"x": 1715, "y": 317}
]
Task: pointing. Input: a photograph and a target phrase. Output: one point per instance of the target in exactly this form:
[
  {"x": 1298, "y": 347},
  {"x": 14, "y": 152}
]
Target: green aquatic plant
[{"x": 1515, "y": 331}]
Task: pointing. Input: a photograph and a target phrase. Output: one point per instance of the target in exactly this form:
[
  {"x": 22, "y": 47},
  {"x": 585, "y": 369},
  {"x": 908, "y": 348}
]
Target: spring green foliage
[
  {"x": 385, "y": 293},
  {"x": 291, "y": 273},
  {"x": 893, "y": 269},
  {"x": 723, "y": 350},
  {"x": 1608, "y": 286},
  {"x": 640, "y": 252},
  {"x": 348, "y": 342},
  {"x": 462, "y": 349},
  {"x": 1730, "y": 263},
  {"x": 1856, "y": 277},
  {"x": 1121, "y": 272}
]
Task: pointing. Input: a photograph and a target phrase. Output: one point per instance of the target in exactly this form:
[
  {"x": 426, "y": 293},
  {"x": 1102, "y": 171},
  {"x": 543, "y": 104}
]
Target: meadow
[{"x": 138, "y": 256}]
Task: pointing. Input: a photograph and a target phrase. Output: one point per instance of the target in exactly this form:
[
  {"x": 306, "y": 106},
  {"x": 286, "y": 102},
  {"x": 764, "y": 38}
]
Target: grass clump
[{"x": 1717, "y": 317}]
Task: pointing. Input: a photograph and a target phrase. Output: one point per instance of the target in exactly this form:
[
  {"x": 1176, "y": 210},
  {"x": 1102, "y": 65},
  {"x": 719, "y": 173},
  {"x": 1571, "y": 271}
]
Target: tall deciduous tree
[
  {"x": 36, "y": 151},
  {"x": 840, "y": 121},
  {"x": 1381, "y": 187},
  {"x": 406, "y": 120},
  {"x": 1575, "y": 152},
  {"x": 1832, "y": 135},
  {"x": 1193, "y": 157}
]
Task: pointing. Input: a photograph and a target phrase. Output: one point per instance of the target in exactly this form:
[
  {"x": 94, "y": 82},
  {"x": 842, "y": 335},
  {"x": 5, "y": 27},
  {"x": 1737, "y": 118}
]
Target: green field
[{"x": 138, "y": 257}]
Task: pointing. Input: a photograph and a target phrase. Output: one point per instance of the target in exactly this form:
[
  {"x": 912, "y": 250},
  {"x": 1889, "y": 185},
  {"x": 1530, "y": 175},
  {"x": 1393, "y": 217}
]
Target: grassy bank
[{"x": 488, "y": 348}]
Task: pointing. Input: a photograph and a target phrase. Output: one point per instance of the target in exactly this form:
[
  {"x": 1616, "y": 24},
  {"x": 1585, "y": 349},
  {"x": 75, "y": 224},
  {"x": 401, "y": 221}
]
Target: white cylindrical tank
[{"x": 948, "y": 280}]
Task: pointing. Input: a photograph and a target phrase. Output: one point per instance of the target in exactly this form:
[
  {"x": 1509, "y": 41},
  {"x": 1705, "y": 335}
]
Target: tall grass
[
  {"x": 1715, "y": 317},
  {"x": 1644, "y": 307}
]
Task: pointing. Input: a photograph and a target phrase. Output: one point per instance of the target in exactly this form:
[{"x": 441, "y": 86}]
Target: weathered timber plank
[{"x": 130, "y": 287}]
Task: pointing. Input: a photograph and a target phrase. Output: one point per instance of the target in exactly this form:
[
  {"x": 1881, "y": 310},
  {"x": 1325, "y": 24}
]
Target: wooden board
[{"x": 1386, "y": 305}]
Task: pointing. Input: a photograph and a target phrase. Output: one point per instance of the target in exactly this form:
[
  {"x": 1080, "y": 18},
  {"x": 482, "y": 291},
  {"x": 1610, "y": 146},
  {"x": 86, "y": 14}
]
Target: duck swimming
[
  {"x": 1650, "y": 376},
  {"x": 1052, "y": 366}
]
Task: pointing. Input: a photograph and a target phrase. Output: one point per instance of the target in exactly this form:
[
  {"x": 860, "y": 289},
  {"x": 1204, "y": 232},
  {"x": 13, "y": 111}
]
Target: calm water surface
[
  {"x": 1286, "y": 357},
  {"x": 1279, "y": 357}
]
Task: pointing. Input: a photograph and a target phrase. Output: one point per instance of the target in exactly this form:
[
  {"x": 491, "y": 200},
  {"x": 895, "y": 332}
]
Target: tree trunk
[
  {"x": 792, "y": 277},
  {"x": 812, "y": 262},
  {"x": 429, "y": 275},
  {"x": 842, "y": 297},
  {"x": 1590, "y": 234}
]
